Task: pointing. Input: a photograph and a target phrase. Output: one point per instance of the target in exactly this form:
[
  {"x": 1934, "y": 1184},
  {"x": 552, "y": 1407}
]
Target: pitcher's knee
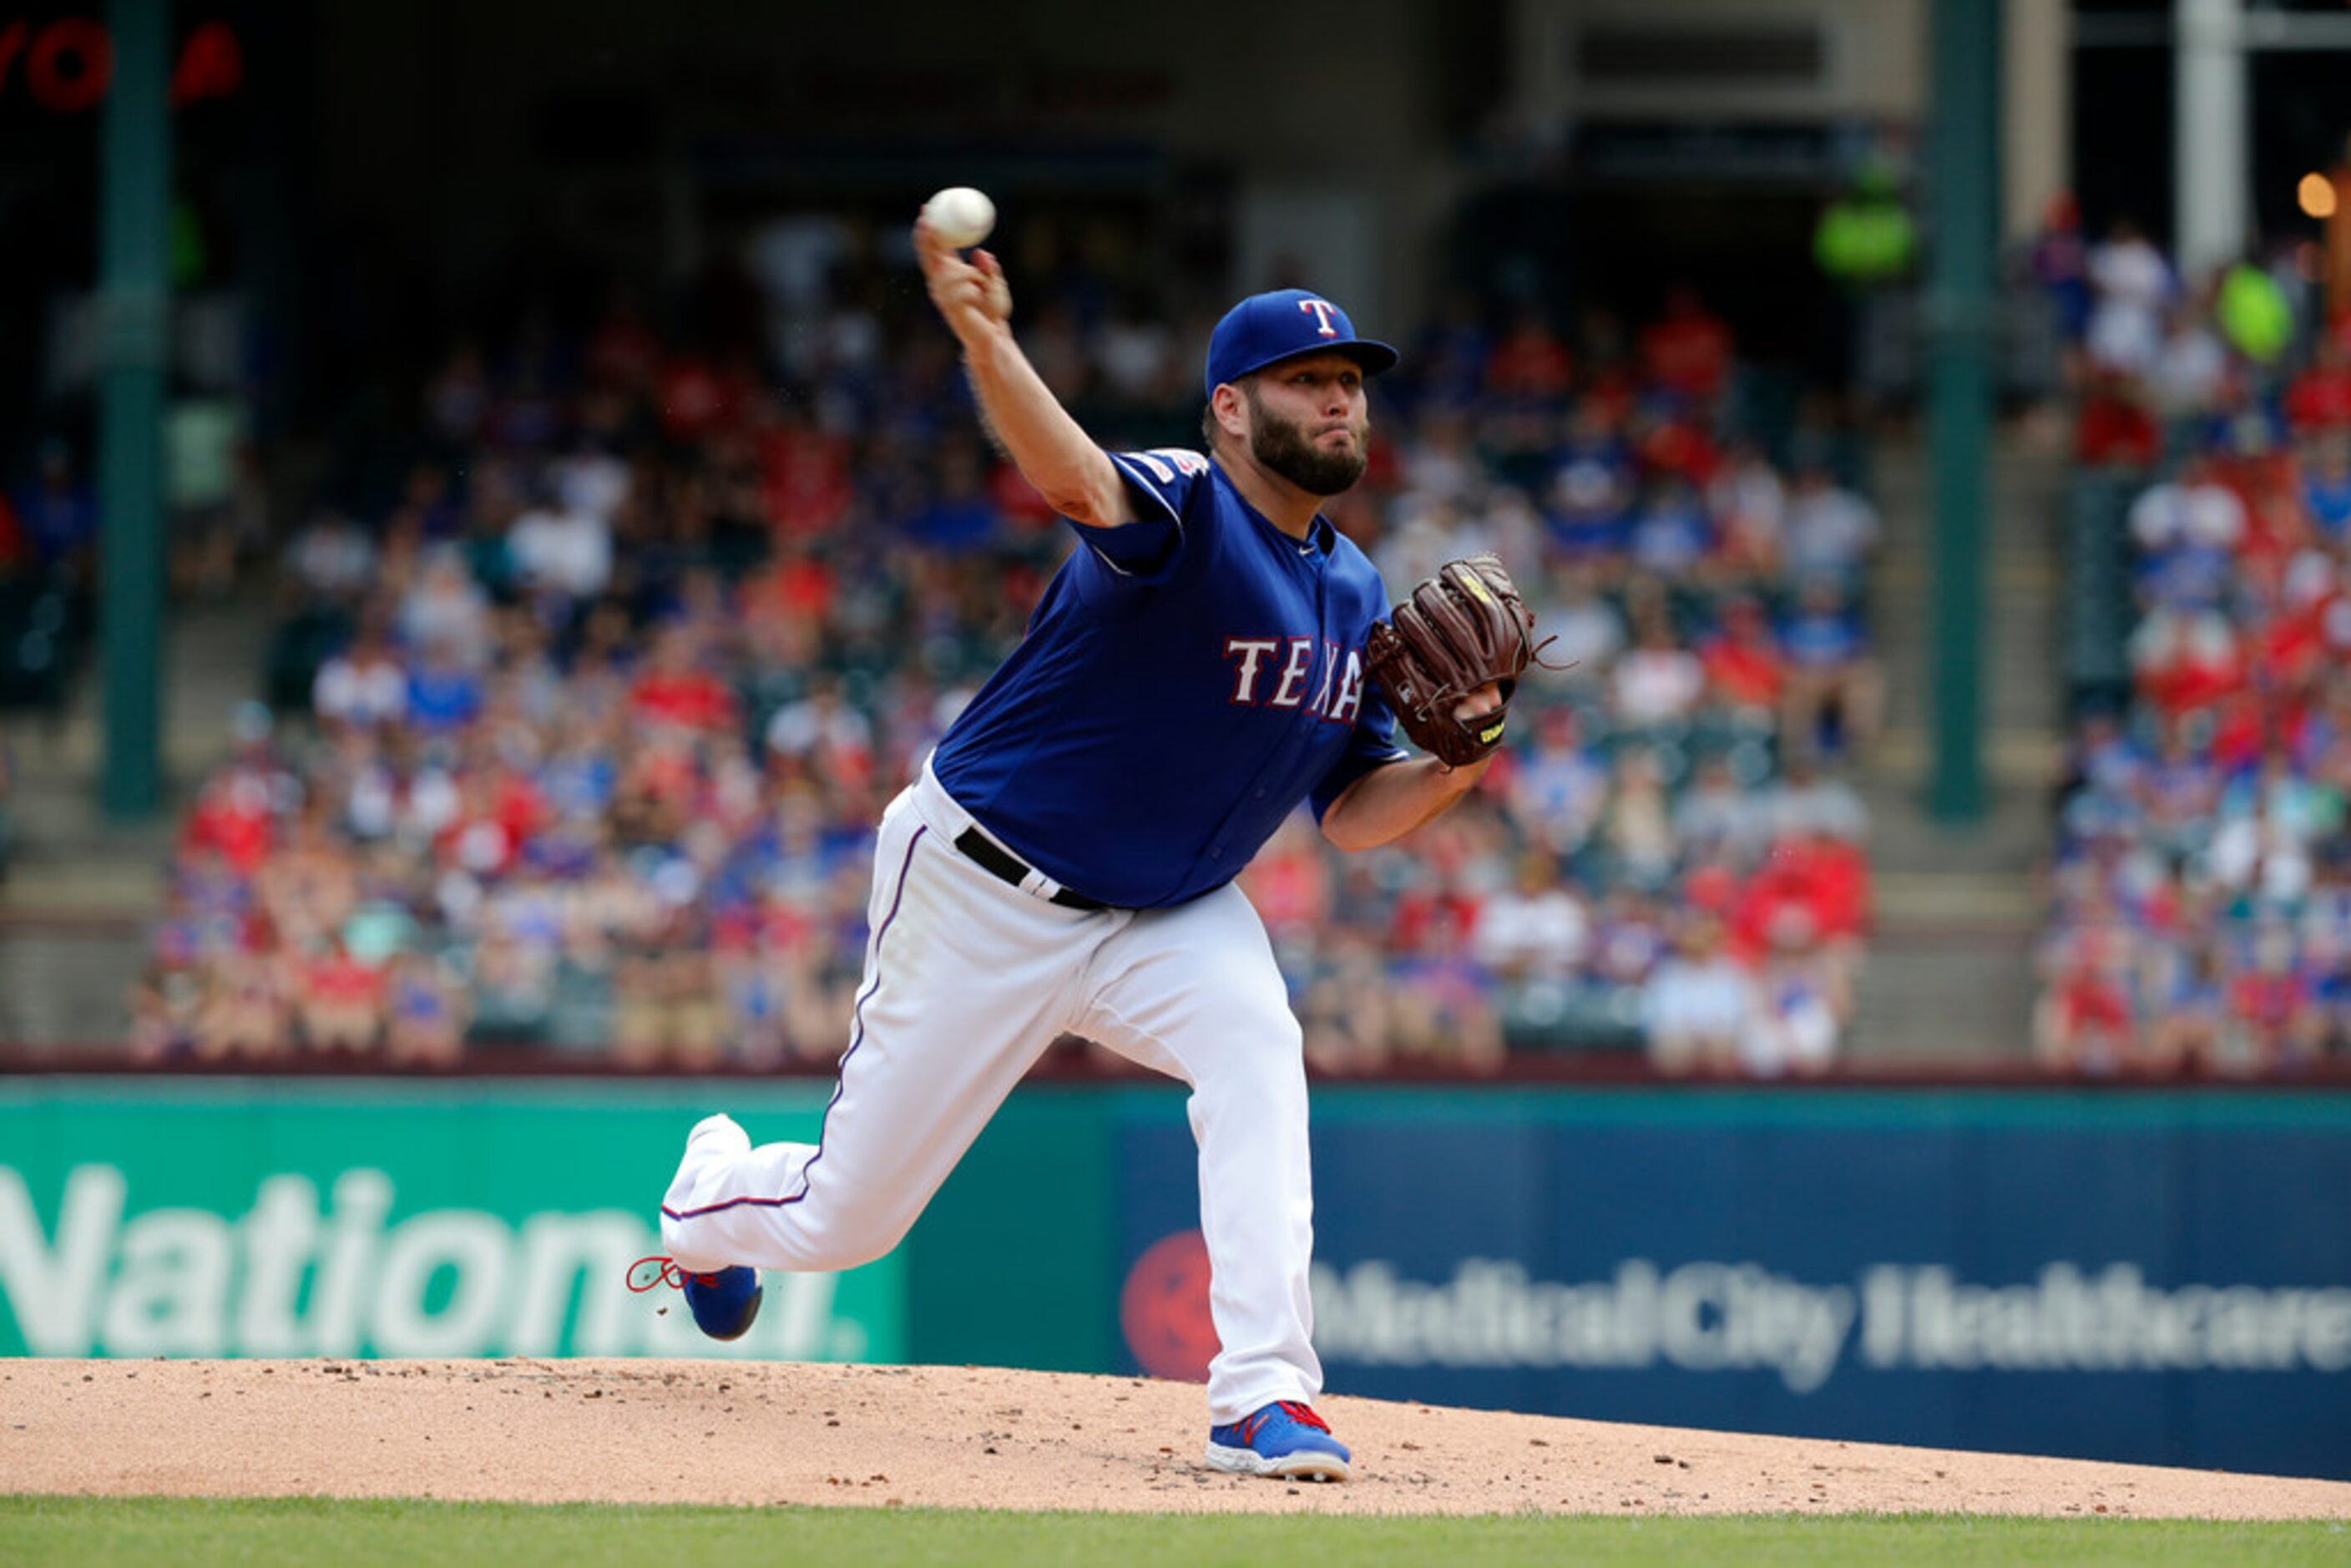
[
  {"x": 855, "y": 1252},
  {"x": 679, "y": 1241},
  {"x": 802, "y": 1239},
  {"x": 837, "y": 1242}
]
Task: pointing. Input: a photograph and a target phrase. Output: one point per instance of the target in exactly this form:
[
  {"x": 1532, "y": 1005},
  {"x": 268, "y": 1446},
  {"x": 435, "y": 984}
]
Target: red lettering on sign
[
  {"x": 12, "y": 44},
  {"x": 70, "y": 63},
  {"x": 70, "y": 90},
  {"x": 212, "y": 64}
]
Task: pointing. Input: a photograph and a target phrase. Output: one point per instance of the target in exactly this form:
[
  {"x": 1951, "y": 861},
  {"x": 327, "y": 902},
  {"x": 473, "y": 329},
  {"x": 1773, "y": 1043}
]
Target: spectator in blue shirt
[
  {"x": 960, "y": 516},
  {"x": 1832, "y": 694},
  {"x": 2326, "y": 485},
  {"x": 1672, "y": 535},
  {"x": 1590, "y": 491},
  {"x": 443, "y": 695},
  {"x": 57, "y": 511}
]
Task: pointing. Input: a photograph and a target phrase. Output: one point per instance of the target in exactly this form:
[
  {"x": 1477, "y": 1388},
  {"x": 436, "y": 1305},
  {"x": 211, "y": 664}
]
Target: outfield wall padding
[{"x": 2152, "y": 1276}]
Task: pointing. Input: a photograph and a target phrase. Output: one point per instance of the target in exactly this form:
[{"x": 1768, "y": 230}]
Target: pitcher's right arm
[{"x": 1026, "y": 419}]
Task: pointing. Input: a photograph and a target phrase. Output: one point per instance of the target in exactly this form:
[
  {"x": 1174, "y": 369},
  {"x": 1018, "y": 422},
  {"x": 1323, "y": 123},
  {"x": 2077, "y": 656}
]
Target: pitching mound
[{"x": 733, "y": 1432}]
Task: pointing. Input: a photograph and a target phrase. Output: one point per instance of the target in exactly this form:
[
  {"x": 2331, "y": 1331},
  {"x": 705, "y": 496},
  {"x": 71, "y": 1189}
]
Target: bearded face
[{"x": 1283, "y": 446}]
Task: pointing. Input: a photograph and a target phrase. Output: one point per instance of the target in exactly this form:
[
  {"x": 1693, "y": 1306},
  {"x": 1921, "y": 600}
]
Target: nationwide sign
[
  {"x": 1744, "y": 1317},
  {"x": 391, "y": 1224},
  {"x": 295, "y": 1276}
]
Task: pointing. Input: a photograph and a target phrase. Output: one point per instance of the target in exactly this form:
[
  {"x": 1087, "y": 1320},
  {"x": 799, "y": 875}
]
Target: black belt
[{"x": 1007, "y": 867}]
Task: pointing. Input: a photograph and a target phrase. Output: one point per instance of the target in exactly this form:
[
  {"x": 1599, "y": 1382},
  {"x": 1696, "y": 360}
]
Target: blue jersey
[{"x": 1188, "y": 679}]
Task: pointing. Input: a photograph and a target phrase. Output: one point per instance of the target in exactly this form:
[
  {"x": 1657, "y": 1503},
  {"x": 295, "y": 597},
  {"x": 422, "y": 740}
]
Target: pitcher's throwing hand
[{"x": 970, "y": 294}]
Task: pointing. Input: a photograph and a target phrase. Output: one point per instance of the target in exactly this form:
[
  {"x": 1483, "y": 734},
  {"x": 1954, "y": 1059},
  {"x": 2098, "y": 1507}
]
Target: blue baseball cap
[{"x": 1265, "y": 328}]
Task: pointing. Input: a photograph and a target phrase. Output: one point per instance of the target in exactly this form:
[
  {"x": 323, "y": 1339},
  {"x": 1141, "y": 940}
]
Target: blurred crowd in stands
[
  {"x": 2202, "y": 882},
  {"x": 586, "y": 698}
]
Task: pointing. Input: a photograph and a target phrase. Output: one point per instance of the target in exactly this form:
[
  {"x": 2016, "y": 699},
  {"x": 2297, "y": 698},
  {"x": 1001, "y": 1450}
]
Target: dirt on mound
[{"x": 734, "y": 1432}]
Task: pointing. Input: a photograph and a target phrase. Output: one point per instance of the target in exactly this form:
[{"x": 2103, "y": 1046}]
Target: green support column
[
  {"x": 1964, "y": 182},
  {"x": 134, "y": 221}
]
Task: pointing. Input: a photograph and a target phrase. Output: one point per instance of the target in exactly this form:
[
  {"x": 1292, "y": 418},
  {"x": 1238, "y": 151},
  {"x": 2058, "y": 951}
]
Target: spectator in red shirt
[
  {"x": 805, "y": 486},
  {"x": 2116, "y": 427},
  {"x": 691, "y": 399},
  {"x": 2086, "y": 1023},
  {"x": 1743, "y": 669},
  {"x": 1811, "y": 895},
  {"x": 2086, "y": 1018},
  {"x": 2185, "y": 656},
  {"x": 339, "y": 998},
  {"x": 2320, "y": 398},
  {"x": 2289, "y": 651},
  {"x": 675, "y": 690},
  {"x": 1787, "y": 903},
  {"x": 12, "y": 552},
  {"x": 1419, "y": 910},
  {"x": 235, "y": 817},
  {"x": 1528, "y": 360},
  {"x": 2274, "y": 1018},
  {"x": 1689, "y": 349},
  {"x": 516, "y": 803},
  {"x": 1670, "y": 442},
  {"x": 1841, "y": 872},
  {"x": 484, "y": 837},
  {"x": 796, "y": 583}
]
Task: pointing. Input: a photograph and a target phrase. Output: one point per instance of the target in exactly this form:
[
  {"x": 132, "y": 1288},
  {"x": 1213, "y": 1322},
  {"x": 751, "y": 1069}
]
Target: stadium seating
[{"x": 603, "y": 692}]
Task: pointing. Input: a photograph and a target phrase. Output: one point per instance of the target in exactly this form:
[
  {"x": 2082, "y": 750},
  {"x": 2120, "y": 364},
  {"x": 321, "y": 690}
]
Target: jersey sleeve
[
  {"x": 1162, "y": 483},
  {"x": 1370, "y": 744}
]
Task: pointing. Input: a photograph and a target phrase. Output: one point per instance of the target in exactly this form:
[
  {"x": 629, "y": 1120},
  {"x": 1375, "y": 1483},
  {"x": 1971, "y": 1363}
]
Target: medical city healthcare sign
[{"x": 2154, "y": 1277}]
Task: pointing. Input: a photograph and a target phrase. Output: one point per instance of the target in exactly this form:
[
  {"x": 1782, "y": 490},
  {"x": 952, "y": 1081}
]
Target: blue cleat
[
  {"x": 723, "y": 1303},
  {"x": 1285, "y": 1438}
]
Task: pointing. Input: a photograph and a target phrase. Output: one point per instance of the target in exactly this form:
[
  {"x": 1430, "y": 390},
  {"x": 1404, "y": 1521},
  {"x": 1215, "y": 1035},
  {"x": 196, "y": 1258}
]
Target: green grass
[{"x": 151, "y": 1530}]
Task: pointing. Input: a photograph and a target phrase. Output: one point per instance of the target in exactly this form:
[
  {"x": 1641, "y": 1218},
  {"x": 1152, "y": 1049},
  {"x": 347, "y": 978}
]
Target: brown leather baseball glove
[{"x": 1461, "y": 629}]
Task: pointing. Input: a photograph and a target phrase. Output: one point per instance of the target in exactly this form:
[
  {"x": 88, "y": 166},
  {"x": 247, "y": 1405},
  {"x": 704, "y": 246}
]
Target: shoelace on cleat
[
  {"x": 1302, "y": 1414},
  {"x": 664, "y": 1273}
]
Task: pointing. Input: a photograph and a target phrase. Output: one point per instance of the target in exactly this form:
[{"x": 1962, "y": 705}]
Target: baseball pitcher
[{"x": 1211, "y": 655}]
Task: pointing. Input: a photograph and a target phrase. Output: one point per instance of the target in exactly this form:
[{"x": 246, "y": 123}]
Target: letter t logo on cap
[{"x": 1322, "y": 308}]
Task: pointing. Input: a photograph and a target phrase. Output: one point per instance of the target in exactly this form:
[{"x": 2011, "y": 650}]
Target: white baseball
[{"x": 960, "y": 215}]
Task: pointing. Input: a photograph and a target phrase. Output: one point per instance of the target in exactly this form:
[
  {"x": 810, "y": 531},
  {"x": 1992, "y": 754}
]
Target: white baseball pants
[{"x": 967, "y": 980}]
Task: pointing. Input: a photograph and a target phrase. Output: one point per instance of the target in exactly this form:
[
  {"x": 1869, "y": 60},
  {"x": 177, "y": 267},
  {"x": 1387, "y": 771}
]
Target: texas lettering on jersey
[
  {"x": 1188, "y": 679},
  {"x": 1280, "y": 672}
]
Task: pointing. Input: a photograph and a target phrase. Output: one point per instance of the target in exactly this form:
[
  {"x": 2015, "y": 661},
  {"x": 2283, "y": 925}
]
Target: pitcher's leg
[
  {"x": 966, "y": 982},
  {"x": 720, "y": 1172},
  {"x": 1193, "y": 992}
]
